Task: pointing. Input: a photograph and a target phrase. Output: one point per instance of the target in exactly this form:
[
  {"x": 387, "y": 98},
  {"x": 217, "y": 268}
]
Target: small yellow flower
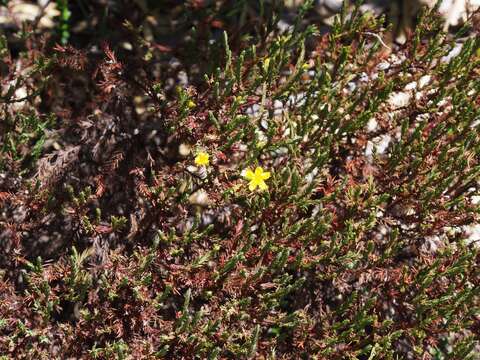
[
  {"x": 191, "y": 104},
  {"x": 257, "y": 178},
  {"x": 202, "y": 159}
]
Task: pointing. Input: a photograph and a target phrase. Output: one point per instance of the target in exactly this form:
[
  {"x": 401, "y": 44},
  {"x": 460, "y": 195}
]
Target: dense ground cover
[{"x": 216, "y": 179}]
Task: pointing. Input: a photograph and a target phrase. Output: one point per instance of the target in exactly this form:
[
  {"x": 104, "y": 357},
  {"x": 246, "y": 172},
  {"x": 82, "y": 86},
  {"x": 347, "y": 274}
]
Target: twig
[{"x": 379, "y": 39}]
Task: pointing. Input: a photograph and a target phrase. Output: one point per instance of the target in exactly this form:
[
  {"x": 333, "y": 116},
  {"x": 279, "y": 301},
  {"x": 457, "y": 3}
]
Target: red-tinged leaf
[
  {"x": 4, "y": 196},
  {"x": 103, "y": 229},
  {"x": 163, "y": 48},
  {"x": 218, "y": 24}
]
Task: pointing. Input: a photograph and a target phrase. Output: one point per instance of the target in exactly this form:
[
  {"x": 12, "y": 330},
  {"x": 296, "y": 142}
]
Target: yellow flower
[
  {"x": 202, "y": 159},
  {"x": 191, "y": 104},
  {"x": 257, "y": 178}
]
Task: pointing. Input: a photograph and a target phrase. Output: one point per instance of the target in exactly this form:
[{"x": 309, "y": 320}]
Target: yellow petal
[
  {"x": 262, "y": 185},
  {"x": 249, "y": 175},
  {"x": 252, "y": 186},
  {"x": 258, "y": 171},
  {"x": 266, "y": 175}
]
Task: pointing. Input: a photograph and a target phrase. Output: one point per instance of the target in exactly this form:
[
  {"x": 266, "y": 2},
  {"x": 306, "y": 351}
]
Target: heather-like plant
[{"x": 251, "y": 191}]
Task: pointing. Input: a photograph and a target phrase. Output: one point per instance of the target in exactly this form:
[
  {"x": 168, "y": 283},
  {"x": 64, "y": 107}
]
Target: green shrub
[{"x": 328, "y": 221}]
